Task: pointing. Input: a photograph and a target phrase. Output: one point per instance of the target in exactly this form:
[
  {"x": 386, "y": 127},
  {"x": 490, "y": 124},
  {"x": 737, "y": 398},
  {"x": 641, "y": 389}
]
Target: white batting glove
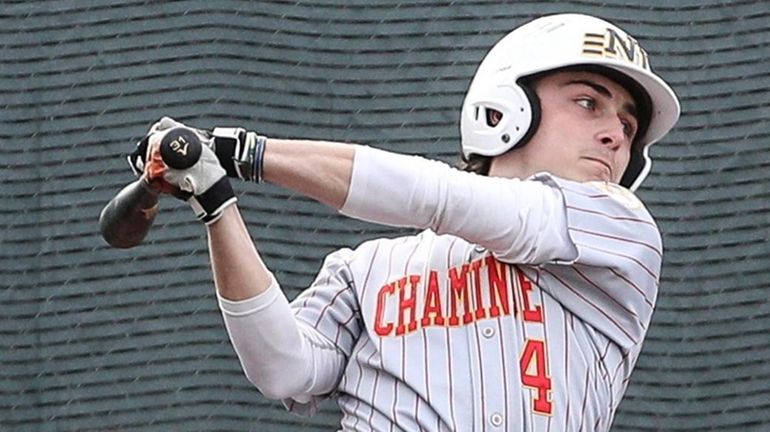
[
  {"x": 240, "y": 152},
  {"x": 205, "y": 184}
]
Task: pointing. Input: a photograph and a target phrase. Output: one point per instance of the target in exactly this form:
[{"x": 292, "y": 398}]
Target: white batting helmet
[{"x": 551, "y": 43}]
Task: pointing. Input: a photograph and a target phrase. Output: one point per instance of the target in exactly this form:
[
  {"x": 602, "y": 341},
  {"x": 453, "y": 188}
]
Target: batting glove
[
  {"x": 204, "y": 185},
  {"x": 240, "y": 152}
]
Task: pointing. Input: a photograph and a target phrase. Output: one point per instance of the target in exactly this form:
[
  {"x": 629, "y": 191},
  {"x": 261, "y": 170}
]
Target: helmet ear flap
[
  {"x": 638, "y": 167},
  {"x": 633, "y": 170},
  {"x": 495, "y": 118},
  {"x": 527, "y": 85}
]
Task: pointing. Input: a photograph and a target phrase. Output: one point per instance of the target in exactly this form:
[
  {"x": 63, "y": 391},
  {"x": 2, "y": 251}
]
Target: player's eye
[
  {"x": 586, "y": 102},
  {"x": 629, "y": 128}
]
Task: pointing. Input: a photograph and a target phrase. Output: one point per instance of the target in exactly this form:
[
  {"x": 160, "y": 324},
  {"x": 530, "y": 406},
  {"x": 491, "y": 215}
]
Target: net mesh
[{"x": 93, "y": 338}]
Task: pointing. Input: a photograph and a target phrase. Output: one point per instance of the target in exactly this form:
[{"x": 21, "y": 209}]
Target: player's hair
[{"x": 475, "y": 163}]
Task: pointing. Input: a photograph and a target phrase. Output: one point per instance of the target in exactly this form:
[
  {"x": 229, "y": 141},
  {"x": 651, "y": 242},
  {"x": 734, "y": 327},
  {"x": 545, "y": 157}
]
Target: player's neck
[{"x": 509, "y": 165}]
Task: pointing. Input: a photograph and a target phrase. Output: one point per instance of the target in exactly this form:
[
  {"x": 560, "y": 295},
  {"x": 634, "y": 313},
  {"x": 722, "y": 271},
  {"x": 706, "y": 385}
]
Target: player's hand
[
  {"x": 204, "y": 185},
  {"x": 139, "y": 157},
  {"x": 239, "y": 151}
]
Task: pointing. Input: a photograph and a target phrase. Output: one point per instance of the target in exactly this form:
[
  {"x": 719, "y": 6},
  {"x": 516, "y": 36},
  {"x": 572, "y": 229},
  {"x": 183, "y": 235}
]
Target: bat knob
[{"x": 180, "y": 148}]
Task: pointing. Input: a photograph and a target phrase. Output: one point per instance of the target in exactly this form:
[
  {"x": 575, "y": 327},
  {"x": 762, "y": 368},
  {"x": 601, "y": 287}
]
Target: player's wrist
[
  {"x": 210, "y": 192},
  {"x": 210, "y": 204},
  {"x": 240, "y": 152}
]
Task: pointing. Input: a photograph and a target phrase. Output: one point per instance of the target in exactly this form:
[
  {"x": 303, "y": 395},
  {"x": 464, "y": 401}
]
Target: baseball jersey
[{"x": 522, "y": 306}]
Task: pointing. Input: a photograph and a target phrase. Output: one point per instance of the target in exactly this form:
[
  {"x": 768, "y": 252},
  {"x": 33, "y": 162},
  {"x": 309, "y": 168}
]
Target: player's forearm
[
  {"x": 274, "y": 353},
  {"x": 239, "y": 272},
  {"x": 318, "y": 169}
]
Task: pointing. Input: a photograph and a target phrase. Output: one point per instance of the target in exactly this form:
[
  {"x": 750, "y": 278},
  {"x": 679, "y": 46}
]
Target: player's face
[{"x": 586, "y": 130}]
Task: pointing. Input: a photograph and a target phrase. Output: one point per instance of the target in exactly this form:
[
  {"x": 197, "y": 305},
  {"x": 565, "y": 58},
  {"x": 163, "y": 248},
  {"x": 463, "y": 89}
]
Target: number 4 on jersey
[{"x": 534, "y": 375}]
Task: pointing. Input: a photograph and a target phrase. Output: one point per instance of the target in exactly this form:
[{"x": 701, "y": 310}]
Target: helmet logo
[{"x": 615, "y": 46}]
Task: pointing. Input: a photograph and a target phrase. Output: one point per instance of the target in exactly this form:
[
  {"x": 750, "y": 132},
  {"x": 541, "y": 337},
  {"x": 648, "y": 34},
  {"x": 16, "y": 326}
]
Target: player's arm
[
  {"x": 282, "y": 355},
  {"x": 279, "y": 355},
  {"x": 239, "y": 272},
  {"x": 519, "y": 221},
  {"x": 318, "y": 169}
]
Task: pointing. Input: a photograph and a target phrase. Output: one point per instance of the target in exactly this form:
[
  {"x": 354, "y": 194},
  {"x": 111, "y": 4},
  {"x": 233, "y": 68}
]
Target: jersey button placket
[{"x": 488, "y": 332}]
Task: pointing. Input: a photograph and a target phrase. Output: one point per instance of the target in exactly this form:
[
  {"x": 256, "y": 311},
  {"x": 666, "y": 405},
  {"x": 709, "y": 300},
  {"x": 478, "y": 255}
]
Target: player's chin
[{"x": 593, "y": 170}]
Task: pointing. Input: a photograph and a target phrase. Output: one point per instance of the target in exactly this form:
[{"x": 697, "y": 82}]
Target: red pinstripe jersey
[{"x": 442, "y": 333}]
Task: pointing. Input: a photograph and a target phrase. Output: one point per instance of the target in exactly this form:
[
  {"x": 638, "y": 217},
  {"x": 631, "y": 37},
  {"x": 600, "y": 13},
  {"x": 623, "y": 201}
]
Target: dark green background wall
[{"x": 93, "y": 338}]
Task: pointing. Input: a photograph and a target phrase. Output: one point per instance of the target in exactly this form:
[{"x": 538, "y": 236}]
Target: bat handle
[
  {"x": 125, "y": 221},
  {"x": 127, "y": 218},
  {"x": 180, "y": 148}
]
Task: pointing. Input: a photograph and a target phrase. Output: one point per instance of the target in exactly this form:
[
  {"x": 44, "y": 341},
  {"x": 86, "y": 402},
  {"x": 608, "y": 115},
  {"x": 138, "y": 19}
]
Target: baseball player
[{"x": 523, "y": 304}]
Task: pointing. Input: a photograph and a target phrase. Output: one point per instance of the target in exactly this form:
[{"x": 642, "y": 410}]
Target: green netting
[{"x": 93, "y": 338}]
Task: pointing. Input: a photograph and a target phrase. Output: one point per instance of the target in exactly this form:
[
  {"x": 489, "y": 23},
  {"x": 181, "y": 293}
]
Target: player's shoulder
[
  {"x": 617, "y": 193},
  {"x": 596, "y": 194},
  {"x": 390, "y": 243},
  {"x": 606, "y": 209},
  {"x": 377, "y": 247},
  {"x": 372, "y": 258},
  {"x": 604, "y": 218}
]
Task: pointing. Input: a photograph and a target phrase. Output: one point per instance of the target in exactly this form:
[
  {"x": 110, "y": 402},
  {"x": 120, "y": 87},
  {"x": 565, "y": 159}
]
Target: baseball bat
[{"x": 127, "y": 218}]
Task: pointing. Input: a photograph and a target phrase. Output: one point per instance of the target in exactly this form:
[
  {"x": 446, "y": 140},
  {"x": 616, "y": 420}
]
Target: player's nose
[{"x": 612, "y": 133}]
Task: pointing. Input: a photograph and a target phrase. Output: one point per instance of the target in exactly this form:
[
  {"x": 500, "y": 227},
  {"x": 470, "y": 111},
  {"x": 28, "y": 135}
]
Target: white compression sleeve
[
  {"x": 519, "y": 221},
  {"x": 280, "y": 356}
]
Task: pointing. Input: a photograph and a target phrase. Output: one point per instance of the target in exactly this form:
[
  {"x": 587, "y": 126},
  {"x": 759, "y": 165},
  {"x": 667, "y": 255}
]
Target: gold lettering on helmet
[{"x": 612, "y": 45}]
